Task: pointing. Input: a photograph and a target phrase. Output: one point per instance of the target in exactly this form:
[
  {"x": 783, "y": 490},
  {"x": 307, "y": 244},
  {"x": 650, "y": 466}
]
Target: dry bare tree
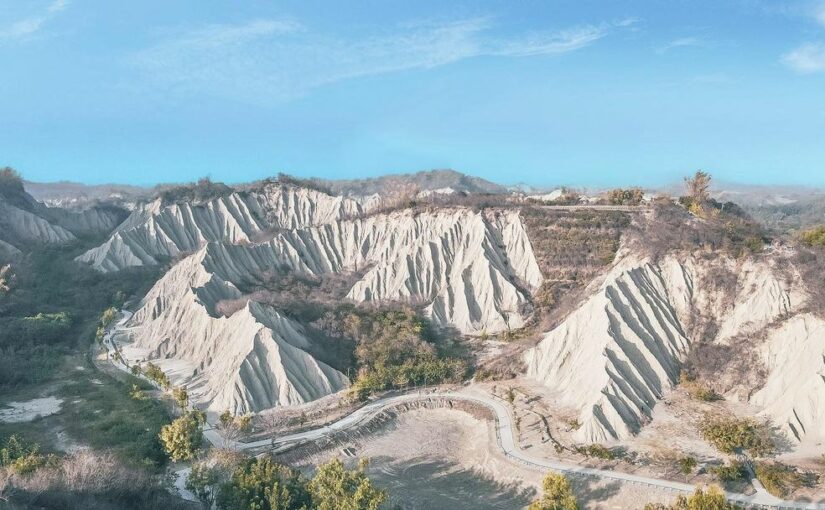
[{"x": 698, "y": 187}]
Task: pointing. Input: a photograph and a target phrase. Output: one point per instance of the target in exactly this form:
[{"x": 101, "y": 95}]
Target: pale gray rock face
[
  {"x": 462, "y": 265},
  {"x": 794, "y": 394},
  {"x": 617, "y": 354},
  {"x": 621, "y": 351},
  {"x": 156, "y": 231},
  {"x": 25, "y": 222},
  {"x": 255, "y": 359},
  {"x": 26, "y": 227}
]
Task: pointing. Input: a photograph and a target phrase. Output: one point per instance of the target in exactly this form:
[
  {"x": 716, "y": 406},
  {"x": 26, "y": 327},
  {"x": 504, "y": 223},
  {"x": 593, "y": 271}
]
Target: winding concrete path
[{"x": 505, "y": 438}]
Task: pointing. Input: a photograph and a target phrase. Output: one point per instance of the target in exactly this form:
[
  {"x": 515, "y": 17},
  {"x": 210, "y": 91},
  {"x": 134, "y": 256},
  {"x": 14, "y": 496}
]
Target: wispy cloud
[
  {"x": 806, "y": 59},
  {"x": 30, "y": 25},
  {"x": 267, "y": 61},
  {"x": 683, "y": 42},
  {"x": 809, "y": 58}
]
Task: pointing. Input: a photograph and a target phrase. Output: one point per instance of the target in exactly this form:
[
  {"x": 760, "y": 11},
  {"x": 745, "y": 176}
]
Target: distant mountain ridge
[{"x": 26, "y": 223}]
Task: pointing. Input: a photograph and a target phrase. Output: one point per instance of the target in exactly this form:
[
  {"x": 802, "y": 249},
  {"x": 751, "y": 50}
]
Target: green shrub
[
  {"x": 22, "y": 456},
  {"x": 698, "y": 390},
  {"x": 732, "y": 435},
  {"x": 779, "y": 479},
  {"x": 394, "y": 348},
  {"x": 687, "y": 465},
  {"x": 107, "y": 418},
  {"x": 814, "y": 236},
  {"x": 596, "y": 450},
  {"x": 154, "y": 373},
  {"x": 732, "y": 472}
]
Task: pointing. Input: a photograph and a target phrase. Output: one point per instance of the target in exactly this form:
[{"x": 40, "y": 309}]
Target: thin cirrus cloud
[
  {"x": 682, "y": 42},
  {"x": 806, "y": 59},
  {"x": 30, "y": 25},
  {"x": 268, "y": 61}
]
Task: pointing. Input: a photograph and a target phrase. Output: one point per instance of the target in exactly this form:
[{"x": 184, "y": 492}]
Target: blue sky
[{"x": 549, "y": 92}]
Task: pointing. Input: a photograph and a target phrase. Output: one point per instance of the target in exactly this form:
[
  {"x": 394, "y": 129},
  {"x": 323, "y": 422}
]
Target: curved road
[
  {"x": 505, "y": 438},
  {"x": 506, "y": 441}
]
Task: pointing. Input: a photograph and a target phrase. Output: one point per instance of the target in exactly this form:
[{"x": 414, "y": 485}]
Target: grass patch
[
  {"x": 779, "y": 479},
  {"x": 105, "y": 417}
]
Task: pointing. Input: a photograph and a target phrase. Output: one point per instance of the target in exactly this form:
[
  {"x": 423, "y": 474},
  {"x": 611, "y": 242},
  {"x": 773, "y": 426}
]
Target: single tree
[
  {"x": 183, "y": 437},
  {"x": 698, "y": 187},
  {"x": 558, "y": 495},
  {"x": 203, "y": 483}
]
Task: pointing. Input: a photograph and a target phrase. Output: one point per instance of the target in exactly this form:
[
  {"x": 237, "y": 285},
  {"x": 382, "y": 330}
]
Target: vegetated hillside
[
  {"x": 783, "y": 217},
  {"x": 26, "y": 223},
  {"x": 466, "y": 270},
  {"x": 780, "y": 208}
]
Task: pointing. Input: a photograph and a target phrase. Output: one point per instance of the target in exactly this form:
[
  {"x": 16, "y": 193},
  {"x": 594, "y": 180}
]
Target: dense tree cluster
[
  {"x": 262, "y": 484},
  {"x": 201, "y": 191},
  {"x": 394, "y": 348},
  {"x": 710, "y": 499},
  {"x": 10, "y": 181},
  {"x": 630, "y": 196}
]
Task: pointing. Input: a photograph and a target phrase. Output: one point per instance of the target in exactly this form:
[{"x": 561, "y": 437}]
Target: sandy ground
[
  {"x": 19, "y": 412},
  {"x": 441, "y": 458}
]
